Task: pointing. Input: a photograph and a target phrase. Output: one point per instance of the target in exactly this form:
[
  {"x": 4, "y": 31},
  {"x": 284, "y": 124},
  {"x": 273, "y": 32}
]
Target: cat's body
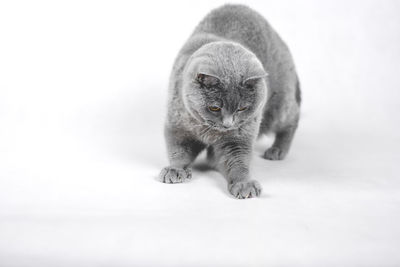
[{"x": 221, "y": 99}]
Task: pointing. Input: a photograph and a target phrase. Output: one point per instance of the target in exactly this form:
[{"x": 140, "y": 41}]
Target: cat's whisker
[{"x": 206, "y": 130}]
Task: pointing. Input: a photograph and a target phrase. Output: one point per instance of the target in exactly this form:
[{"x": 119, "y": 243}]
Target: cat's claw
[
  {"x": 171, "y": 175},
  {"x": 274, "y": 153},
  {"x": 245, "y": 189}
]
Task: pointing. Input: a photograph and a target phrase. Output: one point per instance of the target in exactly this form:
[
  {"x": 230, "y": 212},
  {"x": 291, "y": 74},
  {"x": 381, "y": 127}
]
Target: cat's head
[{"x": 224, "y": 85}]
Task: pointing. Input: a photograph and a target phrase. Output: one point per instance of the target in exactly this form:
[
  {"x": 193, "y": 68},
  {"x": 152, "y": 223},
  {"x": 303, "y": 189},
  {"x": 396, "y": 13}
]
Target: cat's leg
[
  {"x": 232, "y": 158},
  {"x": 281, "y": 115},
  {"x": 281, "y": 145},
  {"x": 182, "y": 151},
  {"x": 211, "y": 157}
]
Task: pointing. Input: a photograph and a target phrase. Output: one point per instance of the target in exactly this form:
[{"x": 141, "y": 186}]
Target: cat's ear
[
  {"x": 253, "y": 81},
  {"x": 207, "y": 80}
]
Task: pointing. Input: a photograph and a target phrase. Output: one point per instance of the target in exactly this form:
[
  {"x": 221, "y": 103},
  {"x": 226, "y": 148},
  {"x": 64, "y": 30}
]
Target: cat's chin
[{"x": 221, "y": 128}]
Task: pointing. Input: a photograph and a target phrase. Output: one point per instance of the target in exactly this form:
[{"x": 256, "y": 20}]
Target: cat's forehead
[{"x": 230, "y": 62}]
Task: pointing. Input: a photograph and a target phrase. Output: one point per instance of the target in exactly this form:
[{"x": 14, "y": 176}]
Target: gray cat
[{"x": 233, "y": 80}]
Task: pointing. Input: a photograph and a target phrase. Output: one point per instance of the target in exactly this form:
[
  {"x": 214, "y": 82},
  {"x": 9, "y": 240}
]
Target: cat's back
[
  {"x": 244, "y": 25},
  {"x": 232, "y": 20}
]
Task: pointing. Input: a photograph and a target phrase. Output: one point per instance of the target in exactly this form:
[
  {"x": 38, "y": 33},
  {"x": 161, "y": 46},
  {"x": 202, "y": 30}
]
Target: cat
[{"x": 232, "y": 81}]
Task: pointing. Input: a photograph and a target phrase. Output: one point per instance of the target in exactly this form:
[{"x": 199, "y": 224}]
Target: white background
[{"x": 82, "y": 103}]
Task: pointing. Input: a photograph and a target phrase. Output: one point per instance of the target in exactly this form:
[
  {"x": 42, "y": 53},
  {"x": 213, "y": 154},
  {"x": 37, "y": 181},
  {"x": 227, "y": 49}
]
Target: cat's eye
[
  {"x": 242, "y": 109},
  {"x": 214, "y": 108}
]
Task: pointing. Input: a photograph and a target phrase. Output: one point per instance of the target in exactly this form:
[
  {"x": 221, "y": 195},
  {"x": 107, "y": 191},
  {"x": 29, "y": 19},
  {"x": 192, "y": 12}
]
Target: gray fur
[{"x": 233, "y": 80}]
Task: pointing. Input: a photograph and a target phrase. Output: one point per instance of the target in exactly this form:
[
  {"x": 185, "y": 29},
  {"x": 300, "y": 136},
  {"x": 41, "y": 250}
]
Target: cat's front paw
[
  {"x": 170, "y": 175},
  {"x": 274, "y": 153},
  {"x": 245, "y": 189}
]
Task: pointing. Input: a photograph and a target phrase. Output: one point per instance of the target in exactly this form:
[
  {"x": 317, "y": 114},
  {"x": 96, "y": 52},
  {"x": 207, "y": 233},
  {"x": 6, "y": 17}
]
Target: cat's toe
[
  {"x": 246, "y": 189},
  {"x": 274, "y": 153},
  {"x": 170, "y": 175}
]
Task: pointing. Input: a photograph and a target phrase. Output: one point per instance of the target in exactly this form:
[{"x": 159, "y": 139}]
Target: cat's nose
[{"x": 227, "y": 121}]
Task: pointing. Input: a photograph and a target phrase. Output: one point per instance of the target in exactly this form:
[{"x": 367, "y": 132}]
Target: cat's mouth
[
  {"x": 226, "y": 129},
  {"x": 220, "y": 128}
]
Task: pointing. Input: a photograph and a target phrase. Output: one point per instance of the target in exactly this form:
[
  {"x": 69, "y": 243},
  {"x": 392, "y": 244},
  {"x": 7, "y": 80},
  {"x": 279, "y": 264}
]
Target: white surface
[{"x": 82, "y": 103}]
